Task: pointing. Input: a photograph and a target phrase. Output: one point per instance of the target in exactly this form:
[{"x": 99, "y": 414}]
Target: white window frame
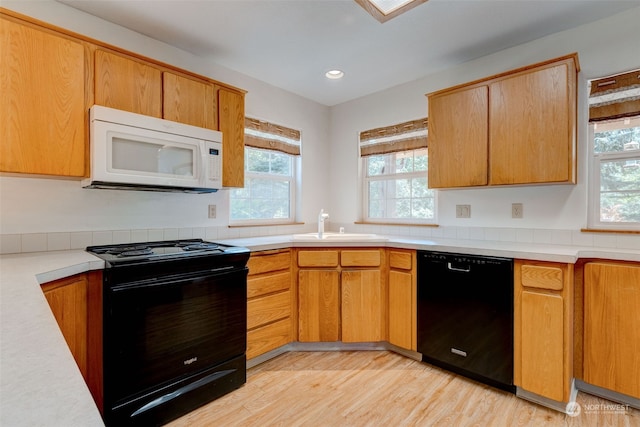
[
  {"x": 596, "y": 159},
  {"x": 293, "y": 190},
  {"x": 366, "y": 179}
]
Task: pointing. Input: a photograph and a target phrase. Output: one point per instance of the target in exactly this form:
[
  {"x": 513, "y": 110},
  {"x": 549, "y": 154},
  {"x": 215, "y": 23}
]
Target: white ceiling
[{"x": 292, "y": 43}]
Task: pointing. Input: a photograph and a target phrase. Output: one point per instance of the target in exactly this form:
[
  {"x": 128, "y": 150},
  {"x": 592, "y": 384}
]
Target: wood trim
[
  {"x": 401, "y": 224},
  {"x": 278, "y": 224},
  {"x": 380, "y": 16},
  {"x": 572, "y": 56},
  {"x": 600, "y": 230}
]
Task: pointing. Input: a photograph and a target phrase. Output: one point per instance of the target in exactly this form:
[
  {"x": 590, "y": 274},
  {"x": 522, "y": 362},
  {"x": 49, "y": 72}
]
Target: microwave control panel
[{"x": 214, "y": 165}]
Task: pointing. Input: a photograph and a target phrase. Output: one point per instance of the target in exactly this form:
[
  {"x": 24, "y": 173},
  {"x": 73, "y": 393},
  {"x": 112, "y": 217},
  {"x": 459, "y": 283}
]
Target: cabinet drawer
[
  {"x": 542, "y": 277},
  {"x": 400, "y": 260},
  {"x": 269, "y": 337},
  {"x": 318, "y": 258},
  {"x": 360, "y": 258},
  {"x": 263, "y": 263},
  {"x": 267, "y": 309},
  {"x": 269, "y": 283}
]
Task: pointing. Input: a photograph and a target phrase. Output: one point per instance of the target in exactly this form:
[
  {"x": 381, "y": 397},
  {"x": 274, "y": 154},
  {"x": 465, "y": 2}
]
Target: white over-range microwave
[{"x": 135, "y": 152}]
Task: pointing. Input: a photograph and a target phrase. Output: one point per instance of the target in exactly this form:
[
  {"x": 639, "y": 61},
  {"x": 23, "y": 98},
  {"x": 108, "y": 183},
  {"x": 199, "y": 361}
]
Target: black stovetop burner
[{"x": 171, "y": 249}]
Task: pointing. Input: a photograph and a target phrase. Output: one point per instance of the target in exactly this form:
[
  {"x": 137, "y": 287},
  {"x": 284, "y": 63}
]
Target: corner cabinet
[
  {"x": 612, "y": 326},
  {"x": 514, "y": 128},
  {"x": 42, "y": 107},
  {"x": 342, "y": 295},
  {"x": 270, "y": 302},
  {"x": 543, "y": 328}
]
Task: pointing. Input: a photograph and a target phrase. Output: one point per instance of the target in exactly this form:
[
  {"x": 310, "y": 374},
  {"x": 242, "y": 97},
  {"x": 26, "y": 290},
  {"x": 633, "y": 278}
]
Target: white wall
[
  {"x": 34, "y": 205},
  {"x": 604, "y": 47},
  {"x": 330, "y": 152}
]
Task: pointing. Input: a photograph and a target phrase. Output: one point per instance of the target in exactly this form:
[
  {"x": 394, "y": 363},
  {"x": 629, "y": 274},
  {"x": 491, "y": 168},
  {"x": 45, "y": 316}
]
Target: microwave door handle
[{"x": 204, "y": 158}]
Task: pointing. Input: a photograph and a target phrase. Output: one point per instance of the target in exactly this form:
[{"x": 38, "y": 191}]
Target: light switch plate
[
  {"x": 463, "y": 211},
  {"x": 212, "y": 211}
]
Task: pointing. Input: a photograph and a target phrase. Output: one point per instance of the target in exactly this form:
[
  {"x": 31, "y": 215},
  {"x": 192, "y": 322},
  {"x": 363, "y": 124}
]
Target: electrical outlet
[
  {"x": 463, "y": 211},
  {"x": 212, "y": 211},
  {"x": 517, "y": 210}
]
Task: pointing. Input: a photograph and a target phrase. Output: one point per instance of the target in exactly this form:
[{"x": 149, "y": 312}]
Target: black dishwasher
[{"x": 465, "y": 315}]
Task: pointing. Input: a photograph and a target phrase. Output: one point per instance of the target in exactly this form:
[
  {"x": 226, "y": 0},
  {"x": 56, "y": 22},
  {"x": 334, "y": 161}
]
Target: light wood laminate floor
[{"x": 382, "y": 388}]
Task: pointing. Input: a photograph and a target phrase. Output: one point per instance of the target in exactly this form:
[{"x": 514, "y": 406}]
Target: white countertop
[{"x": 40, "y": 384}]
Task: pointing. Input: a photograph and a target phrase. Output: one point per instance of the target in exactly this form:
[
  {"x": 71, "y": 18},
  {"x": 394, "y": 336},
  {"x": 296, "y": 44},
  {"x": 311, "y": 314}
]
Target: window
[
  {"x": 614, "y": 182},
  {"x": 271, "y": 164},
  {"x": 395, "y": 174}
]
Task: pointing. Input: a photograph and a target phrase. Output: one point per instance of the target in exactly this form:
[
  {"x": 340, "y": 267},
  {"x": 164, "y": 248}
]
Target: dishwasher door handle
[{"x": 464, "y": 270}]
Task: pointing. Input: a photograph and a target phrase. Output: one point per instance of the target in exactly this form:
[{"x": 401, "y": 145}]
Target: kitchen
[{"x": 41, "y": 214}]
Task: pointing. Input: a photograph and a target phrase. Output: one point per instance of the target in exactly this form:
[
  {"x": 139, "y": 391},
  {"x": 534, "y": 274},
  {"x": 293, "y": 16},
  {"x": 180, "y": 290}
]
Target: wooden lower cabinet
[
  {"x": 543, "y": 319},
  {"x": 362, "y": 296},
  {"x": 270, "y": 302},
  {"x": 402, "y": 299},
  {"x": 318, "y": 305},
  {"x": 612, "y": 326},
  {"x": 342, "y": 295},
  {"x": 76, "y": 303}
]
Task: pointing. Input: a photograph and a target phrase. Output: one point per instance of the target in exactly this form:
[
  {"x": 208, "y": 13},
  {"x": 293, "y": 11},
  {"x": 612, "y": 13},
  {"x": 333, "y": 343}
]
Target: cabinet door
[
  {"x": 318, "y": 305},
  {"x": 68, "y": 301},
  {"x": 231, "y": 124},
  {"x": 362, "y": 309},
  {"x": 42, "y": 102},
  {"x": 532, "y": 117},
  {"x": 541, "y": 333},
  {"x": 400, "y": 309},
  {"x": 612, "y": 327},
  {"x": 189, "y": 101},
  {"x": 127, "y": 84},
  {"x": 458, "y": 132}
]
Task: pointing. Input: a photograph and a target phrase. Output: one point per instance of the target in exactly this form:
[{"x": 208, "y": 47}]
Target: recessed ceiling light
[{"x": 334, "y": 74}]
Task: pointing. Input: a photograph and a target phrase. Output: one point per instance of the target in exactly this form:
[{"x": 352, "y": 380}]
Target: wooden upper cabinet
[
  {"x": 189, "y": 101},
  {"x": 231, "y": 124},
  {"x": 533, "y": 121},
  {"x": 458, "y": 138},
  {"x": 42, "y": 102},
  {"x": 127, "y": 84},
  {"x": 515, "y": 128}
]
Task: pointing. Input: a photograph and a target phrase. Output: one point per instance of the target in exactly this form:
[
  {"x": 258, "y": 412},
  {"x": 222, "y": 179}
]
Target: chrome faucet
[{"x": 321, "y": 217}]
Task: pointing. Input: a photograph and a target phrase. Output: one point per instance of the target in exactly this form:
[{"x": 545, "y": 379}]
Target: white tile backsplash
[
  {"x": 58, "y": 241},
  {"x": 10, "y": 243},
  {"x": 37, "y": 242},
  {"x": 122, "y": 236},
  {"x": 81, "y": 239},
  {"x": 34, "y": 242}
]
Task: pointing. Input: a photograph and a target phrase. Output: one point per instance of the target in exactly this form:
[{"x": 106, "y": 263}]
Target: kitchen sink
[{"x": 354, "y": 237}]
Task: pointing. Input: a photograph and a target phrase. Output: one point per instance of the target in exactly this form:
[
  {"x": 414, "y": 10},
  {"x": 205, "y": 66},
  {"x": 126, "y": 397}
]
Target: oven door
[{"x": 159, "y": 330}]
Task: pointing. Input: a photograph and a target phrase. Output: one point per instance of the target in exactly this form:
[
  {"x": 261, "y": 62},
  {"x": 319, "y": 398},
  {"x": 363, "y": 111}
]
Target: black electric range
[{"x": 174, "y": 327}]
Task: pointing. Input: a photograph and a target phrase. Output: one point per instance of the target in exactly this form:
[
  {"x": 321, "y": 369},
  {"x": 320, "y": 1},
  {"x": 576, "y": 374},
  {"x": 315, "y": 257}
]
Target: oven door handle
[
  {"x": 182, "y": 390},
  {"x": 154, "y": 282}
]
